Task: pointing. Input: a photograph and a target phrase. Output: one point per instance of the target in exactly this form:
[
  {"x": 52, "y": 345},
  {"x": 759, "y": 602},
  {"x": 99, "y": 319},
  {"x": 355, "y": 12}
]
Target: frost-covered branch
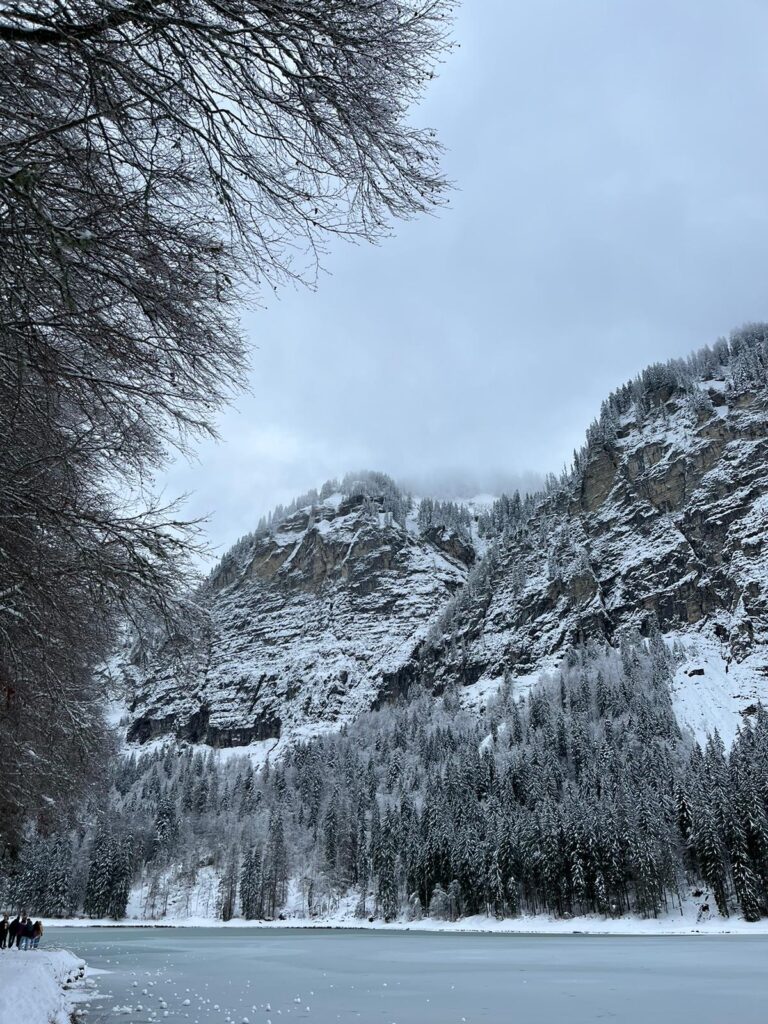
[{"x": 159, "y": 161}]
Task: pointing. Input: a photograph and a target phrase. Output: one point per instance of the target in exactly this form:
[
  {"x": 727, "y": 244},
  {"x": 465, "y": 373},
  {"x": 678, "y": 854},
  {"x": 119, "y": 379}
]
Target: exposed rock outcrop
[
  {"x": 663, "y": 527},
  {"x": 311, "y": 627}
]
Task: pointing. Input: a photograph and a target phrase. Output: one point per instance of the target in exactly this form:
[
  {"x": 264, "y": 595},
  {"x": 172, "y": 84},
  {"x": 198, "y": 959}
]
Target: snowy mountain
[
  {"x": 355, "y": 593},
  {"x": 632, "y": 591},
  {"x": 661, "y": 524},
  {"x": 307, "y": 623}
]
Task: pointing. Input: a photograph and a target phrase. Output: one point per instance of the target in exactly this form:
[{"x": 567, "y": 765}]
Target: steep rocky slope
[
  {"x": 664, "y": 525},
  {"x": 309, "y": 623},
  {"x": 660, "y": 524}
]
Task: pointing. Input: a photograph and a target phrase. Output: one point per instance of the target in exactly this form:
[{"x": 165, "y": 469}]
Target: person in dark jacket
[
  {"x": 13, "y": 931},
  {"x": 5, "y": 924},
  {"x": 37, "y": 933},
  {"x": 27, "y": 929}
]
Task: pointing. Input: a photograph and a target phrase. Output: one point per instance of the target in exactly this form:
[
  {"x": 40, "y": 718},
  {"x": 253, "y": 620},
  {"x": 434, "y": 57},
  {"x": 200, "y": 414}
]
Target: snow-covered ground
[
  {"x": 686, "y": 922},
  {"x": 711, "y": 693},
  {"x": 39, "y": 986}
]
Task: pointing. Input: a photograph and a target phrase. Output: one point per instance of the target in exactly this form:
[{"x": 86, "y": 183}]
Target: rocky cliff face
[
  {"x": 662, "y": 524},
  {"x": 308, "y": 626}
]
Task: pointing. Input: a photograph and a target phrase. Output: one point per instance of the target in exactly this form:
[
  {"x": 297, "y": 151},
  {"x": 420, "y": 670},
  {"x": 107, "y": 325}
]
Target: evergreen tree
[
  {"x": 275, "y": 867},
  {"x": 58, "y": 895},
  {"x": 228, "y": 887},
  {"x": 98, "y": 890},
  {"x": 120, "y": 876}
]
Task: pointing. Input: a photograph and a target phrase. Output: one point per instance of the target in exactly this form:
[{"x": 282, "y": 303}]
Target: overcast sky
[{"x": 611, "y": 163}]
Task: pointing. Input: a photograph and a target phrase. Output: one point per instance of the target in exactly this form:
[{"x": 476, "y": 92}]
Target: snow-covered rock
[
  {"x": 664, "y": 526},
  {"x": 313, "y": 623},
  {"x": 36, "y": 986}
]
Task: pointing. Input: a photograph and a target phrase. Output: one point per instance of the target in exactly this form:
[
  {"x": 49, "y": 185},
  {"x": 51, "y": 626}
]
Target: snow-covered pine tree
[{"x": 99, "y": 886}]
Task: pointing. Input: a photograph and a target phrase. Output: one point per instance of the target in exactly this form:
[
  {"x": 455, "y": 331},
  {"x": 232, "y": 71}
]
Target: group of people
[{"x": 21, "y": 932}]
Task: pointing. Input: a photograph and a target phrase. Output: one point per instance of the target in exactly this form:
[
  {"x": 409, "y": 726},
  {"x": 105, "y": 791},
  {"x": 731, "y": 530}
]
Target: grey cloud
[{"x": 611, "y": 210}]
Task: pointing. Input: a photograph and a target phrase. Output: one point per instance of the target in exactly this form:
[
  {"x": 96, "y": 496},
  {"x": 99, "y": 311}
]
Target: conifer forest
[{"x": 580, "y": 797}]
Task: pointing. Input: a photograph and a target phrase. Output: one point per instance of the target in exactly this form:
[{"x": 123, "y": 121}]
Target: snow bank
[
  {"x": 686, "y": 922},
  {"x": 36, "y": 986}
]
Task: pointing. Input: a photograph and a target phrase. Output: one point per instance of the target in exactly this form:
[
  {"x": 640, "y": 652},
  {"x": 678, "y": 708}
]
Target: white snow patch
[
  {"x": 36, "y": 986},
  {"x": 709, "y": 692},
  {"x": 477, "y": 695},
  {"x": 333, "y": 500},
  {"x": 258, "y": 752}
]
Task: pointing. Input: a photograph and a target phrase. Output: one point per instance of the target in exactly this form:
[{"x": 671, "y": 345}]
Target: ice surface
[{"x": 418, "y": 978}]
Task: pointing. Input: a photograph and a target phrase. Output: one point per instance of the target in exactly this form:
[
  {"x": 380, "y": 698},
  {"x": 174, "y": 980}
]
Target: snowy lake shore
[
  {"x": 671, "y": 924},
  {"x": 40, "y": 986}
]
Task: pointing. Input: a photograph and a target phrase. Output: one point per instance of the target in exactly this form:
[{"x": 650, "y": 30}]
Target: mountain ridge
[{"x": 354, "y": 593}]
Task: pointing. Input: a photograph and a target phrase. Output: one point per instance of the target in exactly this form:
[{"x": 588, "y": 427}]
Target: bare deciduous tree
[{"x": 159, "y": 159}]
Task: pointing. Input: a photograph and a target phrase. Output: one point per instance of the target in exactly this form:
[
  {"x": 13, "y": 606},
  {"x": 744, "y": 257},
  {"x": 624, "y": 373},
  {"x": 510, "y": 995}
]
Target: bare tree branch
[{"x": 161, "y": 161}]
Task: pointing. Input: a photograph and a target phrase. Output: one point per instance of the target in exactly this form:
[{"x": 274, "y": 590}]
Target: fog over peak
[{"x": 464, "y": 485}]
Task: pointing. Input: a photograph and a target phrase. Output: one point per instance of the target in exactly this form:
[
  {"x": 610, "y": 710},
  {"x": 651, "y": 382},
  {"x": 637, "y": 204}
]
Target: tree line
[{"x": 582, "y": 796}]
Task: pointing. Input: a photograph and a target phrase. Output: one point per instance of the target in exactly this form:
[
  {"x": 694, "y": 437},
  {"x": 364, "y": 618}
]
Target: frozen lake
[{"x": 227, "y": 975}]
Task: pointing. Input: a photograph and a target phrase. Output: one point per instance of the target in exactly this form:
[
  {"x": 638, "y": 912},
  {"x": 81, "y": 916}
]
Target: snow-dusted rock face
[
  {"x": 662, "y": 522},
  {"x": 310, "y": 624}
]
